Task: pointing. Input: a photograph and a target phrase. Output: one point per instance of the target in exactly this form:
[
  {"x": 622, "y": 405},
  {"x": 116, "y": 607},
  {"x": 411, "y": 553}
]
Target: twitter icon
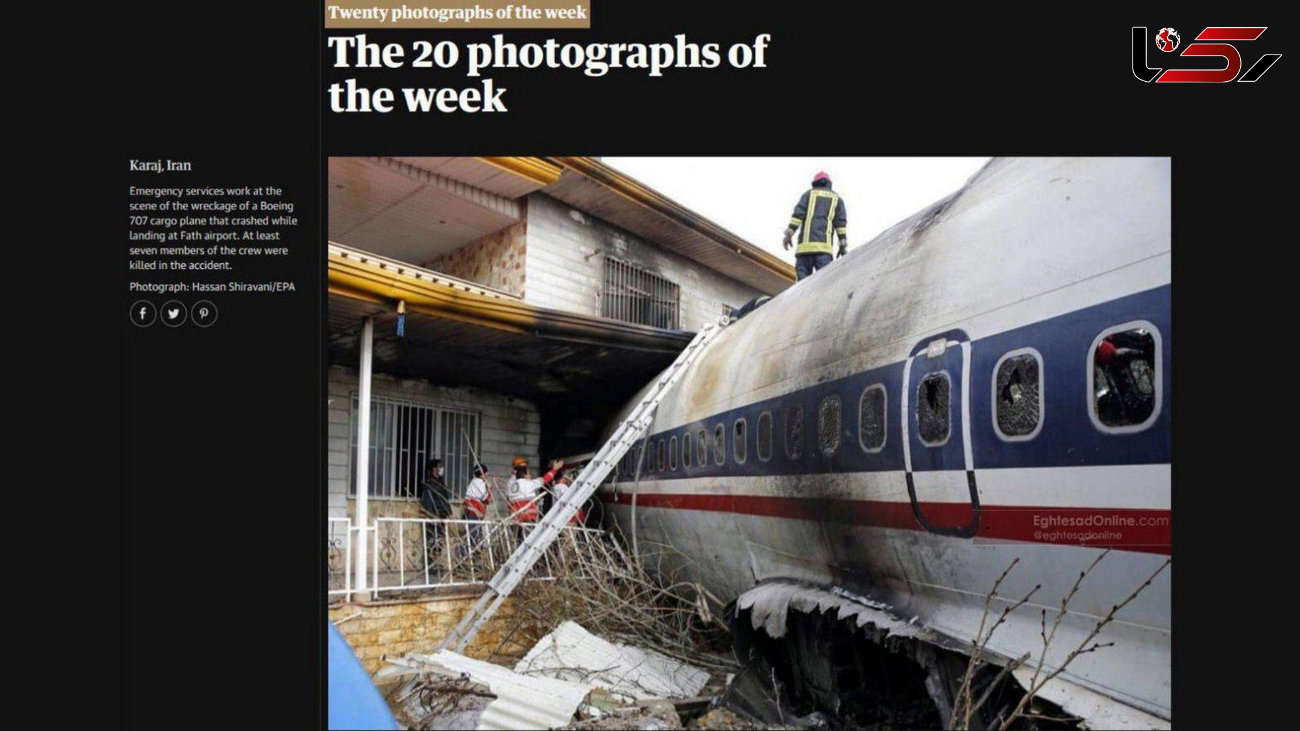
[{"x": 173, "y": 314}]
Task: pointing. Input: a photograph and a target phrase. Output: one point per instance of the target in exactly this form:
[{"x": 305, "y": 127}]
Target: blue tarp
[{"x": 354, "y": 702}]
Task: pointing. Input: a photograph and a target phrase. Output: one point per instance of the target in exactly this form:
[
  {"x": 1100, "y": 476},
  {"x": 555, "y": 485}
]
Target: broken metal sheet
[
  {"x": 770, "y": 604},
  {"x": 1096, "y": 710},
  {"x": 522, "y": 701},
  {"x": 573, "y": 653}
]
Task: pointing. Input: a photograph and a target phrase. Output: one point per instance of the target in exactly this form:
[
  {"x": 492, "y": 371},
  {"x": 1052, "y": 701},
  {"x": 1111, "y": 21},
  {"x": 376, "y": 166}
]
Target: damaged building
[{"x": 499, "y": 307}]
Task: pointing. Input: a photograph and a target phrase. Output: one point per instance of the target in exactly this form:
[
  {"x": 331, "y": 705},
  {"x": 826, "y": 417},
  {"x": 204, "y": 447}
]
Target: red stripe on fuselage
[{"x": 1128, "y": 529}]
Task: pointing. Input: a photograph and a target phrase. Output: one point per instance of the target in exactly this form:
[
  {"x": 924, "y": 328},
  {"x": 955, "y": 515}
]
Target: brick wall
[
  {"x": 399, "y": 627},
  {"x": 510, "y": 427},
  {"x": 564, "y": 268}
]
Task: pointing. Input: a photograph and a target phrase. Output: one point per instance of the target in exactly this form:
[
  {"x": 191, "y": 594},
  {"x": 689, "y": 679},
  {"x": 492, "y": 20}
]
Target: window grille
[
  {"x": 403, "y": 435},
  {"x": 634, "y": 294}
]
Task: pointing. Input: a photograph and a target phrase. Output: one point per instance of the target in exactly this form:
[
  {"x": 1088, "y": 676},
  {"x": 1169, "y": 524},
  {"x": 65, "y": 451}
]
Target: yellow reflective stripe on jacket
[
  {"x": 806, "y": 243},
  {"x": 814, "y": 247}
]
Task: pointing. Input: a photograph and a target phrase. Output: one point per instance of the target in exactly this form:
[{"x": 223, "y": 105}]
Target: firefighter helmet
[
  {"x": 820, "y": 177},
  {"x": 519, "y": 462}
]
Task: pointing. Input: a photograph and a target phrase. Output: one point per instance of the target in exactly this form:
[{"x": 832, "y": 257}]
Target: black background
[{"x": 221, "y": 433}]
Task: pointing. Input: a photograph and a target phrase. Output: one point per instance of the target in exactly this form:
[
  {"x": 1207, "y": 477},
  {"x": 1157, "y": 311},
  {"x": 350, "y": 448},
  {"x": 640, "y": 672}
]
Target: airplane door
[{"x": 937, "y": 453}]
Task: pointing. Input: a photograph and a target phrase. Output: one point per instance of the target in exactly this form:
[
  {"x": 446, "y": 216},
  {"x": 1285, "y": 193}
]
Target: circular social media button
[
  {"x": 173, "y": 314},
  {"x": 142, "y": 313},
  {"x": 204, "y": 313}
]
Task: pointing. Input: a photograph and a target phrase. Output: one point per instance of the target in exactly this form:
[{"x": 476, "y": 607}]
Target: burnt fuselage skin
[{"x": 792, "y": 474}]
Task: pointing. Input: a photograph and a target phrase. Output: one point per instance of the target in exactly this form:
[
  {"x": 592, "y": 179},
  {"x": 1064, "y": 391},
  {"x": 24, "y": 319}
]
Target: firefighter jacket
[{"x": 819, "y": 216}]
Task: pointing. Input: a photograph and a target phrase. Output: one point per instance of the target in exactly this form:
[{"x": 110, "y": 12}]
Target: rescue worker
[
  {"x": 821, "y": 216},
  {"x": 435, "y": 498},
  {"x": 433, "y": 492},
  {"x": 477, "y": 499},
  {"x": 562, "y": 485},
  {"x": 523, "y": 491}
]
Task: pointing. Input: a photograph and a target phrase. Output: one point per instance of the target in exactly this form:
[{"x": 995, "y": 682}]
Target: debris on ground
[
  {"x": 630, "y": 673},
  {"x": 519, "y": 701},
  {"x": 629, "y": 647},
  {"x": 623, "y": 600},
  {"x": 721, "y": 718}
]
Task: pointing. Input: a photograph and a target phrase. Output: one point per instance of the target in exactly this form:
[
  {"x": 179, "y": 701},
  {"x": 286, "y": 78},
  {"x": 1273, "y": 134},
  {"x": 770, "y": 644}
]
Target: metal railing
[
  {"x": 339, "y": 536},
  {"x": 415, "y": 554}
]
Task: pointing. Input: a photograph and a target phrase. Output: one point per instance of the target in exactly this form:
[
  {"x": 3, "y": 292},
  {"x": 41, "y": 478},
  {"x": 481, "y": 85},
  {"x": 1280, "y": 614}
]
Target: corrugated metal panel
[
  {"x": 522, "y": 702},
  {"x": 571, "y": 651}
]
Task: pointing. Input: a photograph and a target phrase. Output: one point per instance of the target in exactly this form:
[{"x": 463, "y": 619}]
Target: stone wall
[{"x": 418, "y": 625}]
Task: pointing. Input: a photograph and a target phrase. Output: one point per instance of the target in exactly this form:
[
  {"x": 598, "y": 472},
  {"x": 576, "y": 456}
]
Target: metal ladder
[{"x": 544, "y": 534}]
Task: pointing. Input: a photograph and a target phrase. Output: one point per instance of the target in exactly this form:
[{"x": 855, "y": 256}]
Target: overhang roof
[
  {"x": 409, "y": 212},
  {"x": 416, "y": 208},
  {"x": 460, "y": 334}
]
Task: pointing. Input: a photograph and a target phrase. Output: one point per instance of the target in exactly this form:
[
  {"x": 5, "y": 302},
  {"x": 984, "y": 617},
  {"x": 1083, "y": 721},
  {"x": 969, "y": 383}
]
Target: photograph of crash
[{"x": 749, "y": 442}]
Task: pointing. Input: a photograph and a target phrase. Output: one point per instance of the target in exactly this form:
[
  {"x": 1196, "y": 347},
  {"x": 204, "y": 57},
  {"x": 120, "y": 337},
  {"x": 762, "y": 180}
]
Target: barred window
[
  {"x": 764, "y": 436},
  {"x": 403, "y": 436},
  {"x": 872, "y": 418},
  {"x": 794, "y": 432},
  {"x": 635, "y": 294}
]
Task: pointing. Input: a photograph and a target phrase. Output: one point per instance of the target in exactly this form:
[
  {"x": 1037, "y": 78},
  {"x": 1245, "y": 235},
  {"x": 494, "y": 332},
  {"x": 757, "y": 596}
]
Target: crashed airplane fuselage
[{"x": 988, "y": 380}]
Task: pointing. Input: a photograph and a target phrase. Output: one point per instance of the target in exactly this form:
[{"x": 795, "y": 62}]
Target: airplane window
[
  {"x": 933, "y": 408},
  {"x": 672, "y": 453},
  {"x": 871, "y": 418},
  {"x": 702, "y": 453},
  {"x": 687, "y": 441},
  {"x": 738, "y": 444},
  {"x": 719, "y": 444},
  {"x": 794, "y": 432},
  {"x": 828, "y": 424},
  {"x": 765, "y": 436},
  {"x": 1017, "y": 394},
  {"x": 663, "y": 461},
  {"x": 1125, "y": 378}
]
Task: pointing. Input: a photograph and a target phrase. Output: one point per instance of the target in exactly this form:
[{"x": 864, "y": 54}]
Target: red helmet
[
  {"x": 1106, "y": 351},
  {"x": 820, "y": 177}
]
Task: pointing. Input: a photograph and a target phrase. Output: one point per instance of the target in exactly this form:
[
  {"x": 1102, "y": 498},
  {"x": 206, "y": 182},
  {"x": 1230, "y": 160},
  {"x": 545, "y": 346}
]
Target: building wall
[
  {"x": 564, "y": 268},
  {"x": 495, "y": 260},
  {"x": 419, "y": 625},
  {"x": 510, "y": 427}
]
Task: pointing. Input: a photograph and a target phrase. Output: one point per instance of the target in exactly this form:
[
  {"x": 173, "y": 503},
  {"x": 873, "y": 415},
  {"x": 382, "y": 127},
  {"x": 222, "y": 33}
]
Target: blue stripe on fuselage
[{"x": 1067, "y": 438}]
